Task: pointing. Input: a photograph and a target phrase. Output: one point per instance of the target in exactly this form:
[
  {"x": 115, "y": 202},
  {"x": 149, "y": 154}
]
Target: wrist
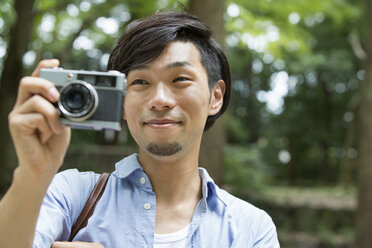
[
  {"x": 28, "y": 179},
  {"x": 20, "y": 207}
]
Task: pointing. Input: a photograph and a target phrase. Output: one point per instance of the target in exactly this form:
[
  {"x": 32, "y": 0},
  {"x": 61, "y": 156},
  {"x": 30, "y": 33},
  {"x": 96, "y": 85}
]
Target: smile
[{"x": 161, "y": 123}]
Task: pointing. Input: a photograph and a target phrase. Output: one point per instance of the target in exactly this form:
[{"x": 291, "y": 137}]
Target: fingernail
[
  {"x": 53, "y": 94},
  {"x": 55, "y": 61}
]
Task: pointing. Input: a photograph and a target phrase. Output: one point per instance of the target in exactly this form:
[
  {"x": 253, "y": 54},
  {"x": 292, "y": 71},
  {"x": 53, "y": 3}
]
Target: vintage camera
[{"x": 89, "y": 99}]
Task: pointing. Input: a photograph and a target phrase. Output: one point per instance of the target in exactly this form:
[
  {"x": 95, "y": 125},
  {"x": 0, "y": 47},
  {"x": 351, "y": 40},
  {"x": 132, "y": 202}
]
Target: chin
[{"x": 169, "y": 149}]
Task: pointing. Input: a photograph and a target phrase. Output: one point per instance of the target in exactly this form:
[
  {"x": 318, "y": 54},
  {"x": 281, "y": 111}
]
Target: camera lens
[
  {"x": 75, "y": 99},
  {"x": 78, "y": 101}
]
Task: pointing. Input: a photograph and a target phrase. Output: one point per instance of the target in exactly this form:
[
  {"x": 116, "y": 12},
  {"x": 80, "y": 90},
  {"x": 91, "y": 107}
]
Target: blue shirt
[{"x": 125, "y": 215}]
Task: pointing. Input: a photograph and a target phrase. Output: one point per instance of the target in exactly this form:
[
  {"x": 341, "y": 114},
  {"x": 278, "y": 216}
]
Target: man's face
[{"x": 168, "y": 101}]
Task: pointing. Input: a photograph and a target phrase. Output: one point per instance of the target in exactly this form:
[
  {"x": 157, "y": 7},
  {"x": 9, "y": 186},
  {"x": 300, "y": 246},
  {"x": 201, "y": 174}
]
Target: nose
[{"x": 162, "y": 98}]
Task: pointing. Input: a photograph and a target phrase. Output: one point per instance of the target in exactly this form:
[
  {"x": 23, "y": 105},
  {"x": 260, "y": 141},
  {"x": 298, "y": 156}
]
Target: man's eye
[
  {"x": 139, "y": 82},
  {"x": 180, "y": 79}
]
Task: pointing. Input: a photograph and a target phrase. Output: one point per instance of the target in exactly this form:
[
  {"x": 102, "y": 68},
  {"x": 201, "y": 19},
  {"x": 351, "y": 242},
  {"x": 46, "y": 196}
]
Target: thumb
[{"x": 45, "y": 64}]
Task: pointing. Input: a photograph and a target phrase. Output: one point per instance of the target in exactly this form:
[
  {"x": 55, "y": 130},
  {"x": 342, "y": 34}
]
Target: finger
[
  {"x": 76, "y": 245},
  {"x": 45, "y": 64},
  {"x": 40, "y": 105},
  {"x": 59, "y": 144},
  {"x": 30, "y": 86},
  {"x": 28, "y": 124},
  {"x": 63, "y": 244}
]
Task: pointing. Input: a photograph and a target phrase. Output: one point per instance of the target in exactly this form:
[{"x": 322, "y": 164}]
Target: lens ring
[{"x": 87, "y": 108}]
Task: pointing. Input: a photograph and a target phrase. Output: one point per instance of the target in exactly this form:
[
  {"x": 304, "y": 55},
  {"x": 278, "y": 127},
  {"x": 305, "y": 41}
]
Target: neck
[
  {"x": 177, "y": 185},
  {"x": 174, "y": 180}
]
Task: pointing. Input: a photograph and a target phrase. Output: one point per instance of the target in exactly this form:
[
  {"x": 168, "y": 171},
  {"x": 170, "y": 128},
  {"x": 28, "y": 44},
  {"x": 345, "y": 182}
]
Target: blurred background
[{"x": 296, "y": 140}]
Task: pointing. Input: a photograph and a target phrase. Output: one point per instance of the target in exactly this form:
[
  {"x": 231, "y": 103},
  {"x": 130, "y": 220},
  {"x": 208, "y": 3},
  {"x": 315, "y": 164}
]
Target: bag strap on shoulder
[{"x": 88, "y": 209}]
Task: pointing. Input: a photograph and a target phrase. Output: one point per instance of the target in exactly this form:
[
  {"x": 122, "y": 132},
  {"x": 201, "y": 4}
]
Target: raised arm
[{"x": 41, "y": 143}]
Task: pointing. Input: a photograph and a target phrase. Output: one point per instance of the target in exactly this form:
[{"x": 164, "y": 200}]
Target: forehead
[
  {"x": 181, "y": 50},
  {"x": 176, "y": 53}
]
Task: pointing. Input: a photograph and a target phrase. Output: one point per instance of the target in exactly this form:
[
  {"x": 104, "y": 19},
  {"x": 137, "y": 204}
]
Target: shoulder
[
  {"x": 239, "y": 212},
  {"x": 73, "y": 181},
  {"x": 72, "y": 188},
  {"x": 62, "y": 204},
  {"x": 242, "y": 211},
  {"x": 74, "y": 177},
  {"x": 250, "y": 220}
]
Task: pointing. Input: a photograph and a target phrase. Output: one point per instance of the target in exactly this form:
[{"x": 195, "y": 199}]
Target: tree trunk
[
  {"x": 347, "y": 163},
  {"x": 363, "y": 238},
  {"x": 252, "y": 121},
  {"x": 20, "y": 34},
  {"x": 324, "y": 143},
  {"x": 211, "y": 153}
]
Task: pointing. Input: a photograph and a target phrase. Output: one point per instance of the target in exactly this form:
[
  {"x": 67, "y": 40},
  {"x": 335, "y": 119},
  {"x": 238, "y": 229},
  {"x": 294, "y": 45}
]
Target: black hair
[{"x": 145, "y": 39}]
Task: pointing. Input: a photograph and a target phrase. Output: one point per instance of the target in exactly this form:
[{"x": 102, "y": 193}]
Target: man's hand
[
  {"x": 76, "y": 245},
  {"x": 40, "y": 141}
]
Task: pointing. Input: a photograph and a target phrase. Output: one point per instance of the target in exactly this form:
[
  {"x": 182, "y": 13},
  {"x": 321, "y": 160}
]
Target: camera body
[{"x": 88, "y": 99}]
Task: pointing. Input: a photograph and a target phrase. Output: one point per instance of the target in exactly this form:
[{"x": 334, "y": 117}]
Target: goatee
[{"x": 167, "y": 149}]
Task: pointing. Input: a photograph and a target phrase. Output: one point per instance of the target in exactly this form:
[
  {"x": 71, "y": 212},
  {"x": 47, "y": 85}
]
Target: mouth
[{"x": 161, "y": 123}]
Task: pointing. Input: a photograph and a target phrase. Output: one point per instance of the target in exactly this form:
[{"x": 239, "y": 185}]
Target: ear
[{"x": 217, "y": 94}]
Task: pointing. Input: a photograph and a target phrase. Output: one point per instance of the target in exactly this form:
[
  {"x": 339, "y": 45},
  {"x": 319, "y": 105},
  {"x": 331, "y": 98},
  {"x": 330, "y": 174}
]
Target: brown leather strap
[{"x": 88, "y": 209}]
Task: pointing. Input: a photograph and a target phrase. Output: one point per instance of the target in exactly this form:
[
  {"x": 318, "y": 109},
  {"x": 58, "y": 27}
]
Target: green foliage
[
  {"x": 245, "y": 169},
  {"x": 307, "y": 45},
  {"x": 80, "y": 33},
  {"x": 7, "y": 17},
  {"x": 236, "y": 132},
  {"x": 324, "y": 214}
]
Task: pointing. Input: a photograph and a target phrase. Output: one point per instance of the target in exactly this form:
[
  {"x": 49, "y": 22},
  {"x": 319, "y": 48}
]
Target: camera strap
[{"x": 91, "y": 203}]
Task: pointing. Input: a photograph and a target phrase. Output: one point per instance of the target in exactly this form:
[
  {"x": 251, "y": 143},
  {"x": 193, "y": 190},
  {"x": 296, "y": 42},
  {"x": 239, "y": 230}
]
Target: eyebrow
[
  {"x": 139, "y": 67},
  {"x": 178, "y": 64},
  {"x": 169, "y": 66}
]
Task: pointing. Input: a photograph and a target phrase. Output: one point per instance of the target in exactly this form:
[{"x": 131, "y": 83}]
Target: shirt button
[
  {"x": 143, "y": 180},
  {"x": 147, "y": 206}
]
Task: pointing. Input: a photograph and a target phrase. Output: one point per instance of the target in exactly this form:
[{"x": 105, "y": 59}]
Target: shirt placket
[
  {"x": 194, "y": 239},
  {"x": 148, "y": 209}
]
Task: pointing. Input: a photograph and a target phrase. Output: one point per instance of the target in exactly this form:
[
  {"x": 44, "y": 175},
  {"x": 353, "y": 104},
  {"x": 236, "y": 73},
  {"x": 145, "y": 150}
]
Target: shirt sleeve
[
  {"x": 62, "y": 204},
  {"x": 254, "y": 228},
  {"x": 266, "y": 236}
]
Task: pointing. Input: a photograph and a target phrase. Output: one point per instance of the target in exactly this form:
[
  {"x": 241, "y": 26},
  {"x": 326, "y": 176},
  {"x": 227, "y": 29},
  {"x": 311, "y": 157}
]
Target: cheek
[
  {"x": 196, "y": 103},
  {"x": 129, "y": 108},
  {"x": 131, "y": 119}
]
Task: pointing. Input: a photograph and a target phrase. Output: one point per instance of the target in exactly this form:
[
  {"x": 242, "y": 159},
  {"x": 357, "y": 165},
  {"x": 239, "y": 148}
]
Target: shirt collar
[
  {"x": 127, "y": 166},
  {"x": 209, "y": 188},
  {"x": 130, "y": 164}
]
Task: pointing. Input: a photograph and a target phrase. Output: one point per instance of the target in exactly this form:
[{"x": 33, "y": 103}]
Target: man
[{"x": 178, "y": 84}]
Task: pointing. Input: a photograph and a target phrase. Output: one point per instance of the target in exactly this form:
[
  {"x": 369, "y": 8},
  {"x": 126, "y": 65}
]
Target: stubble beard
[{"x": 167, "y": 149}]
